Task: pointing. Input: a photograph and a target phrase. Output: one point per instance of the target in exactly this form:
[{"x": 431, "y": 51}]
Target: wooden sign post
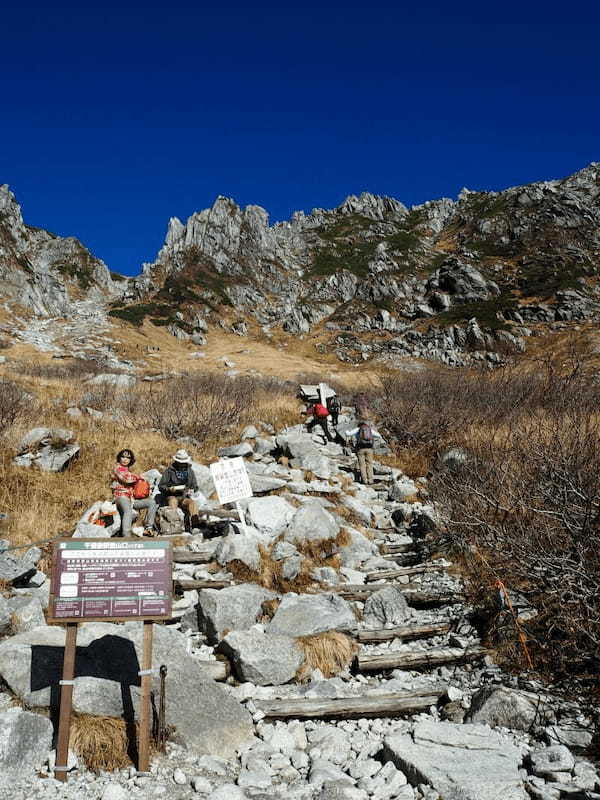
[{"x": 108, "y": 580}]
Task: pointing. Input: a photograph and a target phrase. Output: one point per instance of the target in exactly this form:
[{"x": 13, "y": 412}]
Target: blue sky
[{"x": 114, "y": 117}]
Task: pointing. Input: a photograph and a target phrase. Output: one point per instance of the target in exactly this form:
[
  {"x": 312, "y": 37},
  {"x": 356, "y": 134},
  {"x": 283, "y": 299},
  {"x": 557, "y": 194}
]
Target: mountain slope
[{"x": 44, "y": 272}]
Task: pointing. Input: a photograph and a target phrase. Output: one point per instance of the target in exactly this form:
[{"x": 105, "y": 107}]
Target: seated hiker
[
  {"x": 319, "y": 417},
  {"x": 364, "y": 435},
  {"x": 124, "y": 490},
  {"x": 333, "y": 404},
  {"x": 178, "y": 483}
]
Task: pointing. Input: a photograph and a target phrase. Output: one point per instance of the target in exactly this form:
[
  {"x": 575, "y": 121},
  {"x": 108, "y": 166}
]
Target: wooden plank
[
  {"x": 382, "y": 705},
  {"x": 66, "y": 703},
  {"x": 221, "y": 513},
  {"x": 204, "y": 556},
  {"x": 184, "y": 585},
  {"x": 145, "y": 709},
  {"x": 405, "y": 632},
  {"x": 408, "y": 547},
  {"x": 425, "y": 658},
  {"x": 390, "y": 574},
  {"x": 414, "y": 597}
]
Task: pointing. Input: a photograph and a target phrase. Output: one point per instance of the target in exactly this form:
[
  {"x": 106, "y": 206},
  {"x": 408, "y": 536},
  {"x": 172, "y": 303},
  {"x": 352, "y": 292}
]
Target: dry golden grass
[
  {"x": 45, "y": 505},
  {"x": 270, "y": 574},
  {"x": 101, "y": 742},
  {"x": 331, "y": 652}
]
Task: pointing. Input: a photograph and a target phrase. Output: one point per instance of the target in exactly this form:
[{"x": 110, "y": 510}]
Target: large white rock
[
  {"x": 309, "y": 614},
  {"x": 265, "y": 659},
  {"x": 311, "y": 523},
  {"x": 269, "y": 515},
  {"x": 462, "y": 762},
  {"x": 25, "y": 740},
  {"x": 233, "y": 608}
]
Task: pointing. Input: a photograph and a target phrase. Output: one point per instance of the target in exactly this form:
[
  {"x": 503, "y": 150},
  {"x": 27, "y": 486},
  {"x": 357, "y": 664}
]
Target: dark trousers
[{"x": 322, "y": 422}]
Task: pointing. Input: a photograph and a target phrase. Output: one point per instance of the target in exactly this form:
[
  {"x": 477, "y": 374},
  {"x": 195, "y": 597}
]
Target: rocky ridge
[
  {"x": 456, "y": 281},
  {"x": 44, "y": 272},
  {"x": 422, "y": 712}
]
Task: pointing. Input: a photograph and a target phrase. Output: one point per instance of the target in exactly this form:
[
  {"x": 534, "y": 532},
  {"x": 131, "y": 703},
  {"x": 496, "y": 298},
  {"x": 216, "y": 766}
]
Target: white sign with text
[{"x": 231, "y": 480}]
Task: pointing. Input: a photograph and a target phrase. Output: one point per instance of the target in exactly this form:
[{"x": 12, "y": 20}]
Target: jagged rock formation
[
  {"x": 45, "y": 272},
  {"x": 451, "y": 280},
  {"x": 456, "y": 281}
]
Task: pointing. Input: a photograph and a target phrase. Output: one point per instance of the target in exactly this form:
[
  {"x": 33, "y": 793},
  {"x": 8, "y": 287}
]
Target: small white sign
[{"x": 231, "y": 480}]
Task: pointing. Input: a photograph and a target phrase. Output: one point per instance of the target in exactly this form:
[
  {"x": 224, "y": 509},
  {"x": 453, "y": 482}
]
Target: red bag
[
  {"x": 141, "y": 489},
  {"x": 320, "y": 410}
]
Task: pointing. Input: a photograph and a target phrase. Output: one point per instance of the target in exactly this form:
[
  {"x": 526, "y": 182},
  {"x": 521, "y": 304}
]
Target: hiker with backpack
[
  {"x": 364, "y": 436},
  {"x": 131, "y": 491},
  {"x": 319, "y": 417},
  {"x": 333, "y": 404},
  {"x": 177, "y": 485}
]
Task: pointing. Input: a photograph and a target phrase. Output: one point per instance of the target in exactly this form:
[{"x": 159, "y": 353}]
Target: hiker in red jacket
[{"x": 319, "y": 417}]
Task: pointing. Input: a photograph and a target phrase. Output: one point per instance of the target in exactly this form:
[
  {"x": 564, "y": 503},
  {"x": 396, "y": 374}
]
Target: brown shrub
[
  {"x": 14, "y": 403},
  {"x": 331, "y": 652},
  {"x": 525, "y": 507}
]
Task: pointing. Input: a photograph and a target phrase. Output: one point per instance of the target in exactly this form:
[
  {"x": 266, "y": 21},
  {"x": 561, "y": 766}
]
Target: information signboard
[
  {"x": 231, "y": 480},
  {"x": 110, "y": 579}
]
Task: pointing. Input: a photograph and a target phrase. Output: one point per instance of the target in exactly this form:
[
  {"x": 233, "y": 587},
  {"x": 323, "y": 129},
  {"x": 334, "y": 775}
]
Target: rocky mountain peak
[{"x": 44, "y": 272}]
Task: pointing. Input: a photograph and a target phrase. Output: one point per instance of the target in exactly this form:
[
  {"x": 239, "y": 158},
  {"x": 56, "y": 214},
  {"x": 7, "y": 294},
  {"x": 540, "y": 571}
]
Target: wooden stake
[
  {"x": 66, "y": 703},
  {"x": 145, "y": 709}
]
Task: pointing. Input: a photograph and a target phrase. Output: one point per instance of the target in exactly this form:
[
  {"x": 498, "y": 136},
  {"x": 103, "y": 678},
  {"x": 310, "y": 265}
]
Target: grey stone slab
[
  {"x": 462, "y": 762},
  {"x": 309, "y": 614}
]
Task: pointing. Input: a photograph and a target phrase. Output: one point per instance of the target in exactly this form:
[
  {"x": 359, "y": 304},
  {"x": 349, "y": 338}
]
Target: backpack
[
  {"x": 365, "y": 435},
  {"x": 320, "y": 410},
  {"x": 141, "y": 489},
  {"x": 334, "y": 404},
  {"x": 170, "y": 521}
]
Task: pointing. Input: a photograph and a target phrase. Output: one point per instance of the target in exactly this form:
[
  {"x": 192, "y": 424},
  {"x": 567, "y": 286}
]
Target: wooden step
[
  {"x": 408, "y": 547},
  {"x": 412, "y": 592},
  {"x": 405, "y": 632},
  {"x": 380, "y": 705},
  {"x": 203, "y": 556},
  {"x": 186, "y": 585},
  {"x": 434, "y": 657},
  {"x": 390, "y": 574}
]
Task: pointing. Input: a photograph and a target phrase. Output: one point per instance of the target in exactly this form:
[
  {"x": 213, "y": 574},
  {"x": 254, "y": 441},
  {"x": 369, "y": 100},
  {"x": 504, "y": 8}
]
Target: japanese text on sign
[
  {"x": 107, "y": 579},
  {"x": 231, "y": 480}
]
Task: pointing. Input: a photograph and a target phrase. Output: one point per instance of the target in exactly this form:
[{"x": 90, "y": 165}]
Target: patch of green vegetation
[
  {"x": 403, "y": 241},
  {"x": 385, "y": 303},
  {"x": 352, "y": 257},
  {"x": 490, "y": 248},
  {"x": 116, "y": 276},
  {"x": 485, "y": 312},
  {"x": 137, "y": 312},
  {"x": 483, "y": 206},
  {"x": 416, "y": 216},
  {"x": 544, "y": 278},
  {"x": 198, "y": 273},
  {"x": 82, "y": 274},
  {"x": 352, "y": 223}
]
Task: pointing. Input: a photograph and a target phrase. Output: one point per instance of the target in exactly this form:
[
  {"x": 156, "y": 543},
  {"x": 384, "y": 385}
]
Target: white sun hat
[{"x": 183, "y": 457}]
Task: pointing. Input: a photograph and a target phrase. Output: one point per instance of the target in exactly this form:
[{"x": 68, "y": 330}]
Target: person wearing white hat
[{"x": 178, "y": 483}]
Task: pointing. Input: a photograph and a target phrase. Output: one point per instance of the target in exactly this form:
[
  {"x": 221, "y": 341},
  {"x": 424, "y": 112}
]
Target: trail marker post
[
  {"x": 108, "y": 580},
  {"x": 232, "y": 483}
]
